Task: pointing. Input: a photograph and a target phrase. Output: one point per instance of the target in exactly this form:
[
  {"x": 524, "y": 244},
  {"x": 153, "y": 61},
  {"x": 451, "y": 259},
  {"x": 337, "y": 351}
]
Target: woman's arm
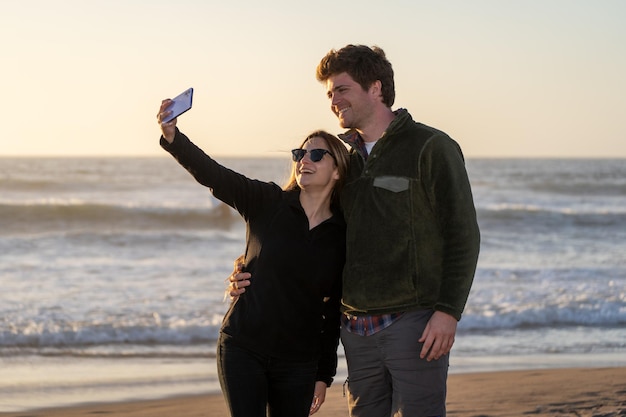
[{"x": 245, "y": 195}]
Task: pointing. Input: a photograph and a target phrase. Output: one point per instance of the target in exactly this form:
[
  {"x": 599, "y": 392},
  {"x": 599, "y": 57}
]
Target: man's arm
[{"x": 454, "y": 206}]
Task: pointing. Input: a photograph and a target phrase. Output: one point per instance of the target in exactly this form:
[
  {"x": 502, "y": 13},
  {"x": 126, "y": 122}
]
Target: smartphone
[{"x": 181, "y": 103}]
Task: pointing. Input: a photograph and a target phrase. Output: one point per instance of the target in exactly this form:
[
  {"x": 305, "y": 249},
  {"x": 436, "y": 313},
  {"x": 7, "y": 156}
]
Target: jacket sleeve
[
  {"x": 453, "y": 205},
  {"x": 236, "y": 190},
  {"x": 327, "y": 364}
]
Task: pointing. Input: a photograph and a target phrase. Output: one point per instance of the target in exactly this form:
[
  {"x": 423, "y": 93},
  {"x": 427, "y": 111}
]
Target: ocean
[{"x": 113, "y": 273}]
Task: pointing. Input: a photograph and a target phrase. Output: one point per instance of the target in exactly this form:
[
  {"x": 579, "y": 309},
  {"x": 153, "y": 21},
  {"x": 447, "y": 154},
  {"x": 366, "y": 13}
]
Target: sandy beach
[{"x": 580, "y": 392}]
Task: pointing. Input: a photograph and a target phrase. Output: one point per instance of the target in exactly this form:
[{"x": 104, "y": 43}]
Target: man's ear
[{"x": 376, "y": 89}]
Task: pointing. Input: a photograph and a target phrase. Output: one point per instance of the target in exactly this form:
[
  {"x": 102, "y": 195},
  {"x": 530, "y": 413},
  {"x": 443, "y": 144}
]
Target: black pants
[{"x": 256, "y": 385}]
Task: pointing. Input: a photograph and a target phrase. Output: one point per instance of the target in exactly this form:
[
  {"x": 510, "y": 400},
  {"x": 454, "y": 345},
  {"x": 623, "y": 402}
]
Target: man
[{"x": 412, "y": 242}]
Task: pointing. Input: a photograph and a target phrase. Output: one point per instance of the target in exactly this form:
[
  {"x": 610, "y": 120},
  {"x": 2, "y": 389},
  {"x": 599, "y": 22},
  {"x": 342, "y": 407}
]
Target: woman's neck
[{"x": 316, "y": 206}]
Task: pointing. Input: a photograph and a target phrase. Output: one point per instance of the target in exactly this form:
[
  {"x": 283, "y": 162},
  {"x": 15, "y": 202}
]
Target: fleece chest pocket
[{"x": 391, "y": 183}]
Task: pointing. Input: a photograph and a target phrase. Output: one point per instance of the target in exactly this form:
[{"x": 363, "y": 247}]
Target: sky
[{"x": 531, "y": 78}]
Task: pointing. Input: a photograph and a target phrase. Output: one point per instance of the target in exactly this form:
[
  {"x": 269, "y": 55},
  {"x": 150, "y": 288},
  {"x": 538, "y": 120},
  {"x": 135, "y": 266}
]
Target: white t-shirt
[{"x": 369, "y": 146}]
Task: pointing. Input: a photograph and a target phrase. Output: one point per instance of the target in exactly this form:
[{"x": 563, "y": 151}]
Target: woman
[{"x": 277, "y": 349}]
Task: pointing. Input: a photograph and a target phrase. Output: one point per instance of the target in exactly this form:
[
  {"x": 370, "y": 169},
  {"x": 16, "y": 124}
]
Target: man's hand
[
  {"x": 238, "y": 281},
  {"x": 438, "y": 336}
]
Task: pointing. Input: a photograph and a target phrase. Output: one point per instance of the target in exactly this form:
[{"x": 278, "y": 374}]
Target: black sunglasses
[{"x": 316, "y": 155}]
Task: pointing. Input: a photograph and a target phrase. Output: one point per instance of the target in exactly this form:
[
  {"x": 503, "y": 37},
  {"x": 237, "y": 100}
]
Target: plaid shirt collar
[{"x": 355, "y": 140}]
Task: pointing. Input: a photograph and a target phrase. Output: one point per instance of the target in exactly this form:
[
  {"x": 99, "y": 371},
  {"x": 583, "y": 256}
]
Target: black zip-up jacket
[{"x": 293, "y": 311}]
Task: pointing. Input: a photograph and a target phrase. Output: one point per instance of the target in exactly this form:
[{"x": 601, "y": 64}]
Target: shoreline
[
  {"x": 582, "y": 392},
  {"x": 34, "y": 382}
]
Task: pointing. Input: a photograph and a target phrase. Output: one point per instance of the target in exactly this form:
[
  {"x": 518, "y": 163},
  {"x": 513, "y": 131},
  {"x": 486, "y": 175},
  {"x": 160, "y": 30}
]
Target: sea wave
[
  {"x": 479, "y": 318},
  {"x": 64, "y": 215},
  {"x": 31, "y": 334},
  {"x": 531, "y": 298},
  {"x": 27, "y": 218},
  {"x": 509, "y": 215},
  {"x": 31, "y": 184},
  {"x": 573, "y": 314},
  {"x": 596, "y": 187}
]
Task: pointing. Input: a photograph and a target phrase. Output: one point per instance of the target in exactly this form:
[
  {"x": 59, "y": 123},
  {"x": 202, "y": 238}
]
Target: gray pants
[{"x": 387, "y": 376}]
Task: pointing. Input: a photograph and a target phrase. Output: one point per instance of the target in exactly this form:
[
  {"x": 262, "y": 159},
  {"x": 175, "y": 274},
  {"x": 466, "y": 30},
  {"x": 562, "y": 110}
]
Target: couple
[{"x": 393, "y": 279}]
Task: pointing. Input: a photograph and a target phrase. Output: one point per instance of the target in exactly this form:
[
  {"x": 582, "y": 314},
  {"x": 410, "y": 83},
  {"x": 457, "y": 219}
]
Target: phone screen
[{"x": 181, "y": 103}]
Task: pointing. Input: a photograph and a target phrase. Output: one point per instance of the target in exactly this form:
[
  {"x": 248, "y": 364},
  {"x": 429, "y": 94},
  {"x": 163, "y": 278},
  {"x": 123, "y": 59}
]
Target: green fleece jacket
[{"x": 412, "y": 235}]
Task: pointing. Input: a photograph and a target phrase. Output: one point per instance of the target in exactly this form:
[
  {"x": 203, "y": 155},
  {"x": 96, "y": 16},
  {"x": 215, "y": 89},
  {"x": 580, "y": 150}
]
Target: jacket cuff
[
  {"x": 328, "y": 380},
  {"x": 450, "y": 311}
]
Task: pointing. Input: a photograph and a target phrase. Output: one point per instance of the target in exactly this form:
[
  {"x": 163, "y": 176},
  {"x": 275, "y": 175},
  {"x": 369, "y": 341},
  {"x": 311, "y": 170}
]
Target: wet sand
[{"x": 580, "y": 392}]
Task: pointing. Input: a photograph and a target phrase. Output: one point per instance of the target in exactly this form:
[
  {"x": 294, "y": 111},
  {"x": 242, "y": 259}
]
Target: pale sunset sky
[{"x": 526, "y": 78}]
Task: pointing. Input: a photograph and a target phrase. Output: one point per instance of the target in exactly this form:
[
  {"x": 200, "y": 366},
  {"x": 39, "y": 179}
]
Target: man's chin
[{"x": 344, "y": 124}]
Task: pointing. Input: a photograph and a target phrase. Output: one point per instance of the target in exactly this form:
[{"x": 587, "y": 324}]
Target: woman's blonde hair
[{"x": 340, "y": 153}]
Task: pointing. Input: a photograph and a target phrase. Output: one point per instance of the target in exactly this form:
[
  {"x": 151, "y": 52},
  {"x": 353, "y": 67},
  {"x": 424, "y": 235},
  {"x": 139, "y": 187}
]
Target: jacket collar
[{"x": 354, "y": 139}]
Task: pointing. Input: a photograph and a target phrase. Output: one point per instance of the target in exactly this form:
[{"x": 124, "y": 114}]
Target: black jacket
[{"x": 292, "y": 308}]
